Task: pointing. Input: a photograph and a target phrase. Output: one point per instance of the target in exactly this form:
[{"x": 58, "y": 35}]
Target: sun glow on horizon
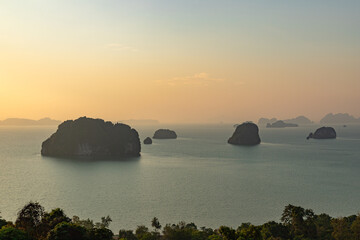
[{"x": 179, "y": 61}]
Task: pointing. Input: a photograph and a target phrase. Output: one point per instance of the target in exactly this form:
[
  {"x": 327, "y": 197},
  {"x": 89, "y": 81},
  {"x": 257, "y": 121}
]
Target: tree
[
  {"x": 250, "y": 233},
  {"x": 227, "y": 233},
  {"x": 156, "y": 224},
  {"x": 271, "y": 230},
  {"x": 2, "y": 222},
  {"x": 12, "y": 233},
  {"x": 101, "y": 234},
  {"x": 300, "y": 221},
  {"x": 127, "y": 234},
  {"x": 105, "y": 222},
  {"x": 355, "y": 228},
  {"x": 323, "y": 226},
  {"x": 180, "y": 231},
  {"x": 68, "y": 231},
  {"x": 29, "y": 218},
  {"x": 140, "y": 231},
  {"x": 50, "y": 220},
  {"x": 341, "y": 229},
  {"x": 87, "y": 223}
]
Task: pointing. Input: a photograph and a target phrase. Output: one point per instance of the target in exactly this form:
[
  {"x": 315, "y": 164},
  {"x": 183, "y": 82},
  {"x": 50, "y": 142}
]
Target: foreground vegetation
[{"x": 297, "y": 223}]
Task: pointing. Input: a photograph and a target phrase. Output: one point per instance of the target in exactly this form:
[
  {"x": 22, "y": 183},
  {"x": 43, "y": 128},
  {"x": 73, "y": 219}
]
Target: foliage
[
  {"x": 2, "y": 222},
  {"x": 105, "y": 222},
  {"x": 101, "y": 234},
  {"x": 29, "y": 219},
  {"x": 355, "y": 228},
  {"x": 155, "y": 223},
  {"x": 87, "y": 223},
  {"x": 68, "y": 231},
  {"x": 12, "y": 233},
  {"x": 127, "y": 235},
  {"x": 341, "y": 229},
  {"x": 33, "y": 223}
]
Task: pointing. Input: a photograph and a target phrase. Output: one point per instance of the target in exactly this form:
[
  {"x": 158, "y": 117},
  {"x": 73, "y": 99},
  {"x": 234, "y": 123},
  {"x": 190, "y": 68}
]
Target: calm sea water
[{"x": 196, "y": 178}]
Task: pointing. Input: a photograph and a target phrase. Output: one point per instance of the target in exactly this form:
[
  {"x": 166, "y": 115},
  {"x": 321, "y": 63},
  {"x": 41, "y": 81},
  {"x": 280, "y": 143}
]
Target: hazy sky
[{"x": 179, "y": 61}]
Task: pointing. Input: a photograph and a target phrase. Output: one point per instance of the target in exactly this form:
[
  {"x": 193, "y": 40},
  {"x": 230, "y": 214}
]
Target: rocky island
[
  {"x": 245, "y": 134},
  {"x": 323, "y": 133},
  {"x": 88, "y": 137},
  {"x": 165, "y": 134},
  {"x": 147, "y": 140},
  {"x": 281, "y": 124}
]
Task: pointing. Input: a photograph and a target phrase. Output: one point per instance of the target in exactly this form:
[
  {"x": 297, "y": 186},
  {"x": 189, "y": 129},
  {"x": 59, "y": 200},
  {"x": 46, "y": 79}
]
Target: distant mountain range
[
  {"x": 339, "y": 118},
  {"x": 300, "y": 120},
  {"x": 29, "y": 122}
]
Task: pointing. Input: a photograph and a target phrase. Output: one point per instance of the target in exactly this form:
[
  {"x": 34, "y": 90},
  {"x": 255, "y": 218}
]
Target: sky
[{"x": 188, "y": 61}]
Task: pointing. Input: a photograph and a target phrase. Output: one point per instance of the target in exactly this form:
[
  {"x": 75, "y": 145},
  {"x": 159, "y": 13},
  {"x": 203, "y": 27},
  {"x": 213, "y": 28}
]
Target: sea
[{"x": 197, "y": 177}]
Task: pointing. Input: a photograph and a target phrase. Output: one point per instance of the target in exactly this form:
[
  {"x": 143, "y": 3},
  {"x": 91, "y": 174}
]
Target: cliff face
[
  {"x": 323, "y": 133},
  {"x": 245, "y": 134},
  {"x": 92, "y": 138}
]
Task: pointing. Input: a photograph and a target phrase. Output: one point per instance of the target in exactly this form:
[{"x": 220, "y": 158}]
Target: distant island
[
  {"x": 281, "y": 124},
  {"x": 264, "y": 121},
  {"x": 29, "y": 122},
  {"x": 246, "y": 133},
  {"x": 339, "y": 118},
  {"x": 323, "y": 133},
  {"x": 164, "y": 134},
  {"x": 95, "y": 138},
  {"x": 300, "y": 120},
  {"x": 147, "y": 140}
]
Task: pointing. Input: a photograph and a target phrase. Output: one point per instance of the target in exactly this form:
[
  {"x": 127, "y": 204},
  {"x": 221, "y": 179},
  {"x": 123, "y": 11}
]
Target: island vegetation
[{"x": 296, "y": 223}]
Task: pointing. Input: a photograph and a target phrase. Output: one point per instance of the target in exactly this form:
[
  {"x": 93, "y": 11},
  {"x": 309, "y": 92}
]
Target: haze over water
[{"x": 196, "y": 178}]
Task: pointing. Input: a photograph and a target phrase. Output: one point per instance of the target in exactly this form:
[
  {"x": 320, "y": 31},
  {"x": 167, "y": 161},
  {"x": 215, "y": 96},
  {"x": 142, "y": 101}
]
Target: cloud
[
  {"x": 121, "y": 47},
  {"x": 200, "y": 79}
]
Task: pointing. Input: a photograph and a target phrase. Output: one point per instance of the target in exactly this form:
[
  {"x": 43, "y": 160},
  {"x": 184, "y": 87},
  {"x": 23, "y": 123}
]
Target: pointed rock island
[
  {"x": 88, "y": 137},
  {"x": 245, "y": 134},
  {"x": 148, "y": 140}
]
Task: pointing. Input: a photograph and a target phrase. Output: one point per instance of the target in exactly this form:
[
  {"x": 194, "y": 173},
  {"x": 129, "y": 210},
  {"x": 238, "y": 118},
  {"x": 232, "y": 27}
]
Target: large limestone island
[
  {"x": 94, "y": 138},
  {"x": 323, "y": 133},
  {"x": 165, "y": 134},
  {"x": 280, "y": 124},
  {"x": 245, "y": 134}
]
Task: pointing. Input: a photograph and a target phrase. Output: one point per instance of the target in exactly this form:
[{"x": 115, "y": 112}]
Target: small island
[
  {"x": 281, "y": 124},
  {"x": 165, "y": 134},
  {"x": 88, "y": 137},
  {"x": 245, "y": 134},
  {"x": 323, "y": 133},
  {"x": 147, "y": 140}
]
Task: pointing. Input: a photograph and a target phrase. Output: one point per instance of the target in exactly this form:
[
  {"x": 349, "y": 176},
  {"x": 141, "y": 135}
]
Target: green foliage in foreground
[{"x": 297, "y": 223}]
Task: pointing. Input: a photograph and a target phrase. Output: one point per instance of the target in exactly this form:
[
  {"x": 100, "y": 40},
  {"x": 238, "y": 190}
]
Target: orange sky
[{"x": 196, "y": 63}]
